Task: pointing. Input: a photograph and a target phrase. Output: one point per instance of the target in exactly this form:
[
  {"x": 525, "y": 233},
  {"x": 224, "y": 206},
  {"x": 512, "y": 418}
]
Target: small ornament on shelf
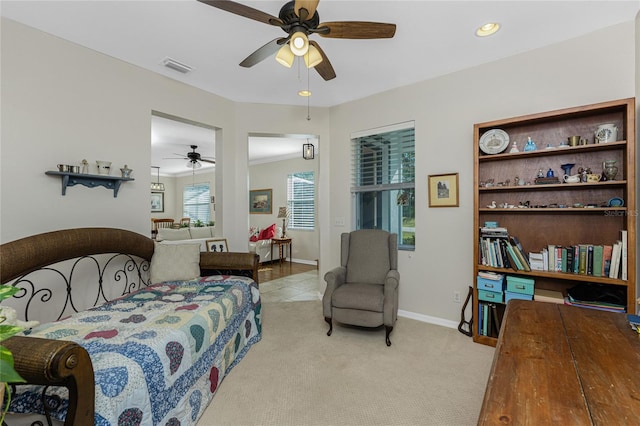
[
  {"x": 514, "y": 147},
  {"x": 530, "y": 145}
]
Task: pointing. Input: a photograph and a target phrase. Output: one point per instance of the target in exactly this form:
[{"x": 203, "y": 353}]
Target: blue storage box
[
  {"x": 490, "y": 285},
  {"x": 520, "y": 285},
  {"x": 490, "y": 296},
  {"x": 508, "y": 295}
]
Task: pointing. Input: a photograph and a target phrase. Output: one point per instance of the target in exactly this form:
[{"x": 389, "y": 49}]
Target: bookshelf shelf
[{"x": 562, "y": 214}]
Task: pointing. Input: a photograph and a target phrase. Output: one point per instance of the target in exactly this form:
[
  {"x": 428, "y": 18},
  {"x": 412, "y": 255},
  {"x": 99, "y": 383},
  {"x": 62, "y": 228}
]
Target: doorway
[
  {"x": 276, "y": 164},
  {"x": 183, "y": 169}
]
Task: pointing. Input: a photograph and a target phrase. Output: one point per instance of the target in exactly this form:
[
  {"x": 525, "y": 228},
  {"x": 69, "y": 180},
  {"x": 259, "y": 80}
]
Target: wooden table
[
  {"x": 281, "y": 243},
  {"x": 564, "y": 365}
]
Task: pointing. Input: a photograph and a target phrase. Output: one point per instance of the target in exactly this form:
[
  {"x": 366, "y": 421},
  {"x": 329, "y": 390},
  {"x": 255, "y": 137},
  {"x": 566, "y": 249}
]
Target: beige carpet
[{"x": 297, "y": 375}]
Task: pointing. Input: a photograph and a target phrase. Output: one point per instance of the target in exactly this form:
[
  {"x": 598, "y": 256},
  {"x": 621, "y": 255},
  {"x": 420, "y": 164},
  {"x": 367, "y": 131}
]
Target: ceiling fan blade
[
  {"x": 309, "y": 5},
  {"x": 262, "y": 53},
  {"x": 208, "y": 161},
  {"x": 245, "y": 11},
  {"x": 324, "y": 68},
  {"x": 357, "y": 29}
]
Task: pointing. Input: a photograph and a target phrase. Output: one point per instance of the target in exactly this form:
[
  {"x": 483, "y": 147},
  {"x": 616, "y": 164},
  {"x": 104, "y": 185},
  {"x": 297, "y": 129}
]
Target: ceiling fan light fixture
[
  {"x": 488, "y": 29},
  {"x": 193, "y": 164},
  {"x": 299, "y": 43},
  {"x": 285, "y": 56},
  {"x": 312, "y": 57}
]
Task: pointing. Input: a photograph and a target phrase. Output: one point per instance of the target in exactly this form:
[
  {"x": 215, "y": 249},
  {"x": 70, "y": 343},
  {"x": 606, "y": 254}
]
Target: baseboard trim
[
  {"x": 306, "y": 262},
  {"x": 428, "y": 319}
]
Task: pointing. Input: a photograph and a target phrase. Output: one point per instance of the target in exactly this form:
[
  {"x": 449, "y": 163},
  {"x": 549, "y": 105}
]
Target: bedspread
[{"x": 159, "y": 354}]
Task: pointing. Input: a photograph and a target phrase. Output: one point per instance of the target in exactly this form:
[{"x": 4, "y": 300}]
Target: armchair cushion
[
  {"x": 364, "y": 297},
  {"x": 368, "y": 260}
]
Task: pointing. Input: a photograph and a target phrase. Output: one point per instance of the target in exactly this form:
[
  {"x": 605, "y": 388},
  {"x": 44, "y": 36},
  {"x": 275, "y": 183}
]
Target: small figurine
[
  {"x": 85, "y": 167},
  {"x": 540, "y": 173},
  {"x": 530, "y": 145},
  {"x": 550, "y": 173},
  {"x": 514, "y": 147},
  {"x": 492, "y": 205}
]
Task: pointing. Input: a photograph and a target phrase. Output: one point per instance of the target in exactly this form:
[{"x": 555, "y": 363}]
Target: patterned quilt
[{"x": 159, "y": 354}]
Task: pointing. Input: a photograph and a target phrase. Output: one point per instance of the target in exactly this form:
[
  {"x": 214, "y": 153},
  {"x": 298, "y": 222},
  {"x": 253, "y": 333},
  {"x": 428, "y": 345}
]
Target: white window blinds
[
  {"x": 301, "y": 196},
  {"x": 195, "y": 201}
]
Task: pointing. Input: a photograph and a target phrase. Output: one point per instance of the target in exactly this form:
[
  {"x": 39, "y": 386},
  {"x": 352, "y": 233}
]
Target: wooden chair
[
  {"x": 185, "y": 221},
  {"x": 160, "y": 223}
]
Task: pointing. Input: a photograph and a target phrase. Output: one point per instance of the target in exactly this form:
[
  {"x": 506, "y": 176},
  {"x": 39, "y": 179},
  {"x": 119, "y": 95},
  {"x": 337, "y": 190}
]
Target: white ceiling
[{"x": 433, "y": 38}]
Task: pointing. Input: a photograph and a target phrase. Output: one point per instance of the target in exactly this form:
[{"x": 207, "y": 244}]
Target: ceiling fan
[
  {"x": 194, "y": 158},
  {"x": 299, "y": 19}
]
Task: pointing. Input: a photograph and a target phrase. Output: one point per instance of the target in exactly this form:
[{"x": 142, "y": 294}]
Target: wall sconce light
[
  {"x": 157, "y": 186},
  {"x": 308, "y": 151}
]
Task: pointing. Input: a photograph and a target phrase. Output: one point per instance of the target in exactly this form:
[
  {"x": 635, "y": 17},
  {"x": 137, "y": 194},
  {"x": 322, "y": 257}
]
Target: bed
[{"x": 155, "y": 354}]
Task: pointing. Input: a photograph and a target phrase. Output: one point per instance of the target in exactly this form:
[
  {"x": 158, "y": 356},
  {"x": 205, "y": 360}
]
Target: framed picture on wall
[
  {"x": 157, "y": 202},
  {"x": 443, "y": 190},
  {"x": 217, "y": 245},
  {"x": 260, "y": 201}
]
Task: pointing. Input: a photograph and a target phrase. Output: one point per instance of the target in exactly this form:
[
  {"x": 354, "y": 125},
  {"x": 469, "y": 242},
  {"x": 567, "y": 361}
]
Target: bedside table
[{"x": 282, "y": 243}]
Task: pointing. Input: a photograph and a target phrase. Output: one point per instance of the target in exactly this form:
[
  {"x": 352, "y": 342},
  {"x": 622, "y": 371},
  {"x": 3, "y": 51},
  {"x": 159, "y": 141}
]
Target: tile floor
[{"x": 292, "y": 288}]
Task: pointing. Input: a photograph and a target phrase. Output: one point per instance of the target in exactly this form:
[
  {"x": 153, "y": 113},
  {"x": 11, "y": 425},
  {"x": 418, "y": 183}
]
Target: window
[
  {"x": 383, "y": 181},
  {"x": 195, "y": 202},
  {"x": 301, "y": 200}
]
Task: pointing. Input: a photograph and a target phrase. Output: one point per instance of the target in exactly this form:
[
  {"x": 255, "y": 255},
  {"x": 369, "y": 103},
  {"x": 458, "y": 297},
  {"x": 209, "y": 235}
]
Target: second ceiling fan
[
  {"x": 194, "y": 158},
  {"x": 299, "y": 19}
]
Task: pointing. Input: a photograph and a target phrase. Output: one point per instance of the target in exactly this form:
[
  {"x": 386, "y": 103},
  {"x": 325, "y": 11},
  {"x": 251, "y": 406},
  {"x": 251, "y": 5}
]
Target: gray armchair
[{"x": 363, "y": 290}]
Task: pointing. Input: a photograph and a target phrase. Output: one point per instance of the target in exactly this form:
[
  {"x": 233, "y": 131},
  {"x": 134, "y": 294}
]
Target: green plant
[{"x": 7, "y": 372}]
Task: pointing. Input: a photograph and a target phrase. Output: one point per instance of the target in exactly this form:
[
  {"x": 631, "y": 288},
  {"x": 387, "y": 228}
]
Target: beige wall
[
  {"x": 444, "y": 110},
  {"x": 62, "y": 102}
]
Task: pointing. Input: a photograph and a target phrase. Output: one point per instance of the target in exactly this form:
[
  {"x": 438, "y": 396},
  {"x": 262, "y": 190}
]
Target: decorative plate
[
  {"x": 494, "y": 141},
  {"x": 616, "y": 202}
]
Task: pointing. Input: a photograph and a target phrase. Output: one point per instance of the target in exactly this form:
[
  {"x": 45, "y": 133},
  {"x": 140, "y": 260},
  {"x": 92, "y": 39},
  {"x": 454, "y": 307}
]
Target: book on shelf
[
  {"x": 623, "y": 255},
  {"x": 536, "y": 261},
  {"x": 582, "y": 259},
  {"x": 597, "y": 261},
  {"x": 606, "y": 259},
  {"x": 490, "y": 275},
  {"x": 615, "y": 260},
  {"x": 589, "y": 259}
]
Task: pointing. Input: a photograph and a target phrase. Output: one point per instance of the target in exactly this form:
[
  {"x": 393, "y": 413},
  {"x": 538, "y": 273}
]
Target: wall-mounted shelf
[{"x": 90, "y": 181}]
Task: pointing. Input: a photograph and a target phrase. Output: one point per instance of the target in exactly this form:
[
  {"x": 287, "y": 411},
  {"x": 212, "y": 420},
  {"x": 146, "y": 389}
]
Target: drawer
[
  {"x": 490, "y": 296},
  {"x": 490, "y": 285},
  {"x": 508, "y": 295},
  {"x": 520, "y": 285}
]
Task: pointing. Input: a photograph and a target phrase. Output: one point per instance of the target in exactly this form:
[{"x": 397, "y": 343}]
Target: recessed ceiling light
[
  {"x": 304, "y": 93},
  {"x": 488, "y": 29}
]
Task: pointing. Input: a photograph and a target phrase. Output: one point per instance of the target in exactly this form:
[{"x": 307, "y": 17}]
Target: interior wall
[
  {"x": 444, "y": 110},
  {"x": 61, "y": 103},
  {"x": 274, "y": 176}
]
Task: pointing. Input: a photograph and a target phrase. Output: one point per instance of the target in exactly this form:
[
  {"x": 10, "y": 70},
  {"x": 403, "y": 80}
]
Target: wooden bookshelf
[{"x": 563, "y": 213}]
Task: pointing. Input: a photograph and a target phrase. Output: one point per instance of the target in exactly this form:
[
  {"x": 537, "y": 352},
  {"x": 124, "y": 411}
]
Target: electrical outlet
[{"x": 456, "y": 296}]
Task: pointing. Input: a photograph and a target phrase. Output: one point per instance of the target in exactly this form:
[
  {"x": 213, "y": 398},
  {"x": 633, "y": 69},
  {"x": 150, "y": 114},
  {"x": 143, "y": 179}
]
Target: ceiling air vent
[{"x": 176, "y": 66}]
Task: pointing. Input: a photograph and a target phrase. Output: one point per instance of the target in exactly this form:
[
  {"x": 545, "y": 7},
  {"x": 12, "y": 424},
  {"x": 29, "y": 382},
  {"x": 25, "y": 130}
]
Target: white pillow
[
  {"x": 175, "y": 262},
  {"x": 173, "y": 234},
  {"x": 202, "y": 232}
]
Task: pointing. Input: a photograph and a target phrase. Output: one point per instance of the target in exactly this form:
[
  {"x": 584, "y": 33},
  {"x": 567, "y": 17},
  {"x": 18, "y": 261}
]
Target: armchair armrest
[
  {"x": 334, "y": 279},
  {"x": 60, "y": 363},
  {"x": 391, "y": 281}
]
